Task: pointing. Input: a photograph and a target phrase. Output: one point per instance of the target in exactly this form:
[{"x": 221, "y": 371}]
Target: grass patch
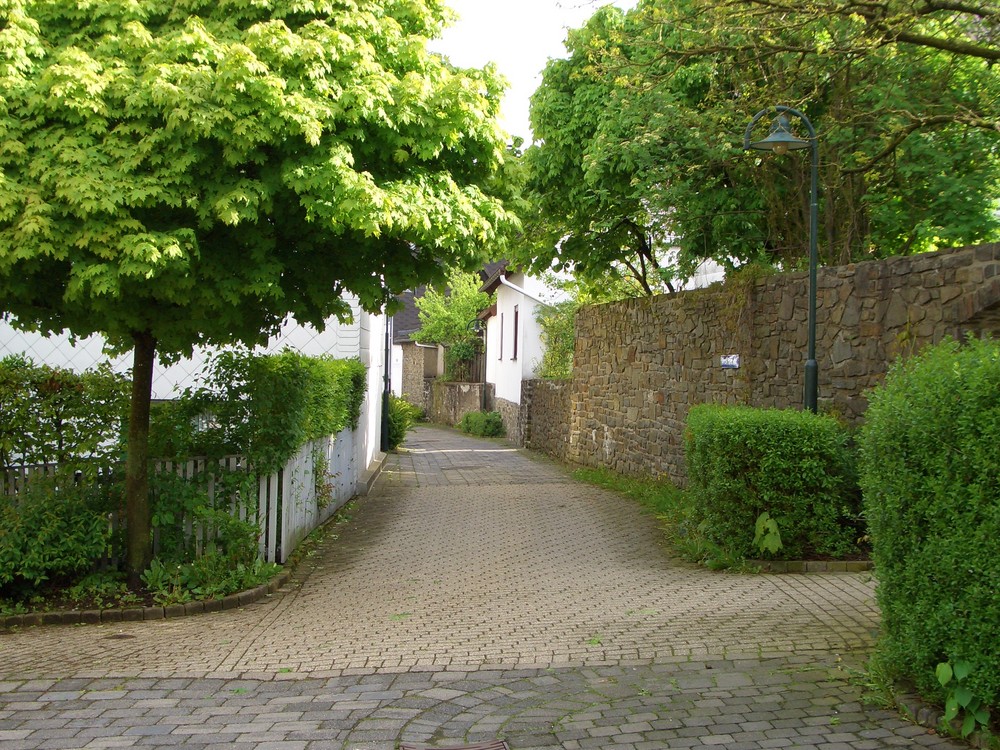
[{"x": 672, "y": 508}]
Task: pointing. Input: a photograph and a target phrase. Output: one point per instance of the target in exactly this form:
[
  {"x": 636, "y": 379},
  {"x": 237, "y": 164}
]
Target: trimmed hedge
[
  {"x": 52, "y": 415},
  {"x": 930, "y": 472},
  {"x": 262, "y": 406},
  {"x": 793, "y": 465},
  {"x": 482, "y": 424}
]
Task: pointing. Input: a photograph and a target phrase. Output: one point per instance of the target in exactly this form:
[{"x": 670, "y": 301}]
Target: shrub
[
  {"x": 930, "y": 452},
  {"x": 50, "y": 415},
  {"x": 402, "y": 416},
  {"x": 482, "y": 424},
  {"x": 189, "y": 520},
  {"x": 795, "y": 466},
  {"x": 264, "y": 407},
  {"x": 458, "y": 359},
  {"x": 54, "y": 527}
]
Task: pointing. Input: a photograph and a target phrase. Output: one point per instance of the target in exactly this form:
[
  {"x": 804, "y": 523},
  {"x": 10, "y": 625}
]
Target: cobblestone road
[{"x": 477, "y": 593}]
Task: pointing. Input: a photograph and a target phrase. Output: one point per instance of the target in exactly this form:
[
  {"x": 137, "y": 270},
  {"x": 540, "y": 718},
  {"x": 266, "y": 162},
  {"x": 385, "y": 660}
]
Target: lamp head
[{"x": 780, "y": 140}]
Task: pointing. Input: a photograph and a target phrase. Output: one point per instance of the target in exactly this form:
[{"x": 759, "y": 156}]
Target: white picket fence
[
  {"x": 287, "y": 506},
  {"x": 291, "y": 502}
]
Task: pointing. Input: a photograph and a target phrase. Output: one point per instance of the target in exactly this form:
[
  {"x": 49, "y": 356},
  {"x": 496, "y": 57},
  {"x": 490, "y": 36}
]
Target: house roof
[
  {"x": 491, "y": 282},
  {"x": 406, "y": 321}
]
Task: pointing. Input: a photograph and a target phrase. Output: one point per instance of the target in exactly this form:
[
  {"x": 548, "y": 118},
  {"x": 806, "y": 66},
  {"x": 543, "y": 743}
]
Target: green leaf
[
  {"x": 964, "y": 696},
  {"x": 944, "y": 673},
  {"x": 962, "y": 669},
  {"x": 950, "y": 708},
  {"x": 968, "y": 725}
]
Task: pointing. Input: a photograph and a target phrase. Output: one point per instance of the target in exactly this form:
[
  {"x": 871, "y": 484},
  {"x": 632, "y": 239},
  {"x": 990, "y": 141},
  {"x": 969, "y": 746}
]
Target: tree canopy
[
  {"x": 448, "y": 316},
  {"x": 175, "y": 174},
  {"x": 638, "y": 165}
]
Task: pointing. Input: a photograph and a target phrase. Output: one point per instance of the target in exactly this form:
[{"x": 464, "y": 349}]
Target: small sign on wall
[{"x": 730, "y": 361}]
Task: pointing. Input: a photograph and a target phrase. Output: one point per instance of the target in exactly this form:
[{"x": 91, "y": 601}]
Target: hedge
[
  {"x": 56, "y": 526},
  {"x": 930, "y": 473},
  {"x": 53, "y": 415},
  {"x": 402, "y": 416},
  {"x": 793, "y": 465},
  {"x": 482, "y": 424},
  {"x": 262, "y": 406}
]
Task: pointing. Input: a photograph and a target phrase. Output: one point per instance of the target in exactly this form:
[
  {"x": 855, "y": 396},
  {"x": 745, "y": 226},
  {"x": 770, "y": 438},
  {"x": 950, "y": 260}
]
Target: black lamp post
[{"x": 780, "y": 140}]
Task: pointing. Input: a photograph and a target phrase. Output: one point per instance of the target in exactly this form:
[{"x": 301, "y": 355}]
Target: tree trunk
[{"x": 139, "y": 541}]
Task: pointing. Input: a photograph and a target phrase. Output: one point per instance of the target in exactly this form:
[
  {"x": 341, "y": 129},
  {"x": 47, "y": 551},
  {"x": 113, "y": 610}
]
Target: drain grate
[{"x": 494, "y": 745}]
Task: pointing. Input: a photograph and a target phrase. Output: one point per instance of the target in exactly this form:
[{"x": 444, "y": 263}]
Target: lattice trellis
[{"x": 338, "y": 340}]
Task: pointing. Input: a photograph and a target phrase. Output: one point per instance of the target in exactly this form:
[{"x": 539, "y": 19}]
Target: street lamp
[{"x": 780, "y": 140}]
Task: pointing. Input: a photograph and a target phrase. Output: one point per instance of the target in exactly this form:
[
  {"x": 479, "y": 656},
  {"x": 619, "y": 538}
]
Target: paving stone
[{"x": 477, "y": 593}]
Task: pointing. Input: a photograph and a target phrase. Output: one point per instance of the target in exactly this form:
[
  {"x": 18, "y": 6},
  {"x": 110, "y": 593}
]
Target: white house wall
[
  {"x": 502, "y": 369},
  {"x": 371, "y": 351},
  {"x": 396, "y": 371}
]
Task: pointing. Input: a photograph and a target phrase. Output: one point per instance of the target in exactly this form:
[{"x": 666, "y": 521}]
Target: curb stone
[
  {"x": 812, "y": 566},
  {"x": 133, "y": 614},
  {"x": 932, "y": 717}
]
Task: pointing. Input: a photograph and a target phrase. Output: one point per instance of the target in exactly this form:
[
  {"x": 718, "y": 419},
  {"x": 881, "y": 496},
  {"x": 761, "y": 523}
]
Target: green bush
[
  {"x": 189, "y": 520},
  {"x": 930, "y": 452},
  {"x": 54, "y": 527},
  {"x": 795, "y": 466},
  {"x": 458, "y": 358},
  {"x": 263, "y": 407},
  {"x": 482, "y": 424},
  {"x": 50, "y": 415},
  {"x": 402, "y": 416}
]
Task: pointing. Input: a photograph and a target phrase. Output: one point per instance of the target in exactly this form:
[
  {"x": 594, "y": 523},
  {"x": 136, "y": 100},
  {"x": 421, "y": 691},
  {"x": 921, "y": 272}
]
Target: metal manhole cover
[{"x": 495, "y": 745}]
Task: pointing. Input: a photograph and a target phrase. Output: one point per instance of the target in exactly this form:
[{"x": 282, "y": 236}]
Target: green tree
[
  {"x": 558, "y": 324},
  {"x": 639, "y": 172},
  {"x": 592, "y": 221},
  {"x": 448, "y": 316},
  {"x": 176, "y": 174}
]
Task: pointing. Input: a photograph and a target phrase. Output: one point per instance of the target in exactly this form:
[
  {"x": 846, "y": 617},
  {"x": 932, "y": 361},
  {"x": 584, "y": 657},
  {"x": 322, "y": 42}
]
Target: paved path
[{"x": 478, "y": 593}]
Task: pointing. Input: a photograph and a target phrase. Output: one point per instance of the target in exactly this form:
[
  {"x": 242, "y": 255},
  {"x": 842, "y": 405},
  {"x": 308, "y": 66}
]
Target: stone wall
[
  {"x": 452, "y": 401},
  {"x": 514, "y": 417},
  {"x": 641, "y": 364},
  {"x": 547, "y": 415},
  {"x": 412, "y": 386}
]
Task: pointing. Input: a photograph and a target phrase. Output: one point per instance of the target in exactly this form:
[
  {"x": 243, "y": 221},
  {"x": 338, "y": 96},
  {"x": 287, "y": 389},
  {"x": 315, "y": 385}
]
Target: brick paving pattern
[{"x": 478, "y": 594}]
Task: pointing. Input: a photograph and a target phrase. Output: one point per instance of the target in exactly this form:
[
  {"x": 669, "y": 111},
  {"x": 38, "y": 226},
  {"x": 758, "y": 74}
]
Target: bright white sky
[{"x": 519, "y": 36}]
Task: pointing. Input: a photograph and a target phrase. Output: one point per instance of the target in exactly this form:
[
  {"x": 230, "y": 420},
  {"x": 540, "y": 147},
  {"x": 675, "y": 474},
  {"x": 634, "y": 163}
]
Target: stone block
[
  {"x": 152, "y": 613},
  {"x": 132, "y": 614}
]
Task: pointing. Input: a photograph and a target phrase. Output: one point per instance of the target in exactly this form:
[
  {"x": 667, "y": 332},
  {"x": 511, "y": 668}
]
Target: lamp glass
[{"x": 780, "y": 139}]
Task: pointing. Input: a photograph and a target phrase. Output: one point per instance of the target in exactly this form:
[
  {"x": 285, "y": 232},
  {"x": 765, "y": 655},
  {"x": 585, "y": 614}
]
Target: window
[{"x": 515, "y": 332}]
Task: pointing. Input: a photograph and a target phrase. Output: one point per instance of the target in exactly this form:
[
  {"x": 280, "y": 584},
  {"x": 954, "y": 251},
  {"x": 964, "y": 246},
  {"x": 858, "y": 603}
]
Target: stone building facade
[{"x": 641, "y": 364}]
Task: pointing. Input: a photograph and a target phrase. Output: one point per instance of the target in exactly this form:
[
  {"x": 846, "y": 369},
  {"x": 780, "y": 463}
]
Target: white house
[{"x": 514, "y": 347}]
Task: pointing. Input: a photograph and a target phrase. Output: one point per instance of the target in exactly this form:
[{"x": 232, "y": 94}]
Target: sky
[{"x": 519, "y": 36}]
